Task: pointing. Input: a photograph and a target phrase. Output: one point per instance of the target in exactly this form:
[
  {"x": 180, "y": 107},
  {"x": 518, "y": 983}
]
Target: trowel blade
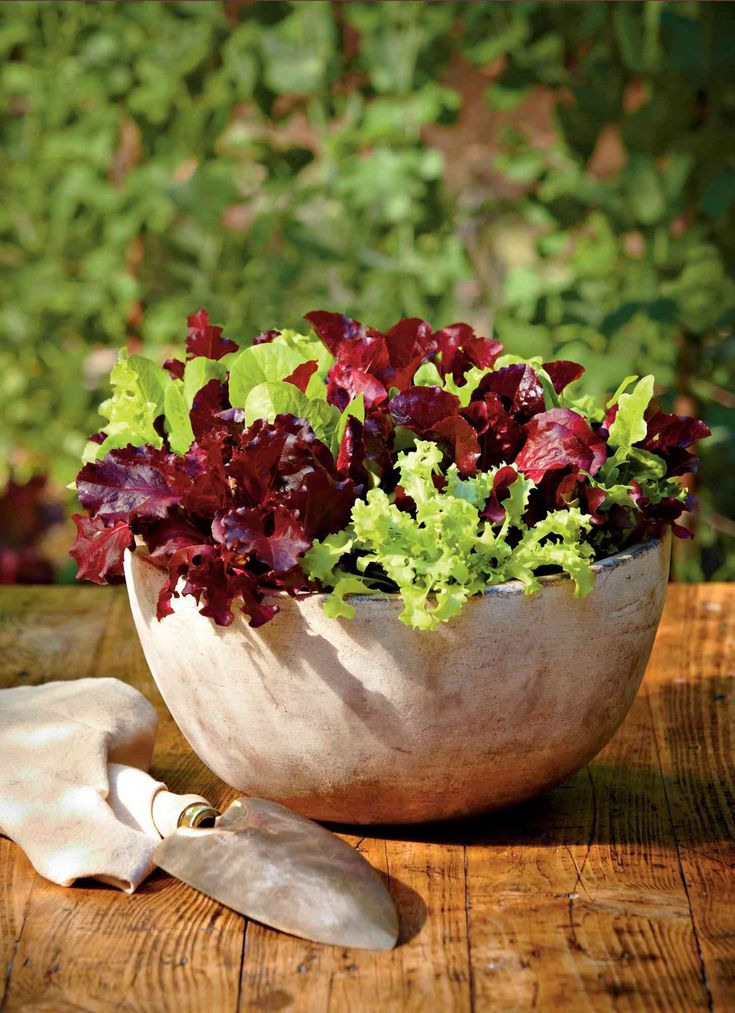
[{"x": 276, "y": 867}]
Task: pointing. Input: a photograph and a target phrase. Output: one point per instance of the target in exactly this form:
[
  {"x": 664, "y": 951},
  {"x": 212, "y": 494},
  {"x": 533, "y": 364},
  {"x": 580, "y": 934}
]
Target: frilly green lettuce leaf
[
  {"x": 629, "y": 426},
  {"x": 446, "y": 553}
]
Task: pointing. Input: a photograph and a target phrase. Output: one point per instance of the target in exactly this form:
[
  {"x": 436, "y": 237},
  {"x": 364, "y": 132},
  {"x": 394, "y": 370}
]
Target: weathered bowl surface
[{"x": 367, "y": 721}]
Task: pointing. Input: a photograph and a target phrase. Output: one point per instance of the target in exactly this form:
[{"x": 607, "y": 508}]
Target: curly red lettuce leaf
[
  {"x": 460, "y": 349},
  {"x": 498, "y": 433},
  {"x": 669, "y": 436},
  {"x": 210, "y": 577},
  {"x": 132, "y": 482},
  {"x": 519, "y": 389},
  {"x": 433, "y": 413},
  {"x": 99, "y": 549},
  {"x": 369, "y": 362},
  {"x": 562, "y": 372},
  {"x": 203, "y": 339},
  {"x": 560, "y": 438}
]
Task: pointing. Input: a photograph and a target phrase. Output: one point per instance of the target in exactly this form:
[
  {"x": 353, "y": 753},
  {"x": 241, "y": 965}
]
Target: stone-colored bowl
[{"x": 367, "y": 721}]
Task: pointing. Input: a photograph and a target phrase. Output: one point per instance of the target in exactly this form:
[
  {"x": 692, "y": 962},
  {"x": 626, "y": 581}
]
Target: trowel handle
[{"x": 146, "y": 804}]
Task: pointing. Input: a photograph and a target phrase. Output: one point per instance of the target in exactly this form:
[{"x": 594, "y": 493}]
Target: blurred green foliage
[{"x": 266, "y": 159}]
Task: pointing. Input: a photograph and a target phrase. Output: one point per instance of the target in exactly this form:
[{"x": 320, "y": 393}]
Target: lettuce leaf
[{"x": 447, "y": 550}]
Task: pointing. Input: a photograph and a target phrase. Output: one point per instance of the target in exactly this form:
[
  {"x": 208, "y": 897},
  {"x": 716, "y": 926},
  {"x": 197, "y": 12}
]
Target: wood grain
[
  {"x": 576, "y": 901},
  {"x": 166, "y": 947},
  {"x": 691, "y": 694},
  {"x": 615, "y": 891},
  {"x": 429, "y": 970}
]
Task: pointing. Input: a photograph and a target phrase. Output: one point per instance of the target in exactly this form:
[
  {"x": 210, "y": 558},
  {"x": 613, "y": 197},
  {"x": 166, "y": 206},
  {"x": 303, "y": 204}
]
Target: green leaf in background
[{"x": 559, "y": 173}]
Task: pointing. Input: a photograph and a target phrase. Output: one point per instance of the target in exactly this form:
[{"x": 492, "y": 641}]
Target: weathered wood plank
[
  {"x": 45, "y": 634},
  {"x": 691, "y": 692},
  {"x": 166, "y": 947},
  {"x": 428, "y": 971},
  {"x": 576, "y": 901}
]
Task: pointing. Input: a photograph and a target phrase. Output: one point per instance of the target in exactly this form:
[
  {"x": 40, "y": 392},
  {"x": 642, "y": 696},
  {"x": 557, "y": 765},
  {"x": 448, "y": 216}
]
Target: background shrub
[{"x": 561, "y": 173}]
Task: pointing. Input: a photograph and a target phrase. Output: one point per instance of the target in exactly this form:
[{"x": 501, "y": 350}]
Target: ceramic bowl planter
[{"x": 368, "y": 721}]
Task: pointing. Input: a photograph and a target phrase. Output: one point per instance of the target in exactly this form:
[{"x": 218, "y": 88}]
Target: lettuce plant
[{"x": 415, "y": 462}]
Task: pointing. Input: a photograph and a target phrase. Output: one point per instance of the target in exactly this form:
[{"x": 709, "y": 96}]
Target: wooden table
[{"x": 615, "y": 891}]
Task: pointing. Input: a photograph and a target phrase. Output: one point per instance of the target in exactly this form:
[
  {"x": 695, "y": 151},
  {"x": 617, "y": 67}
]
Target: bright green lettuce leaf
[
  {"x": 260, "y": 364},
  {"x": 277, "y": 397},
  {"x": 176, "y": 410},
  {"x": 629, "y": 426},
  {"x": 138, "y": 386},
  {"x": 335, "y": 606},
  {"x": 197, "y": 374},
  {"x": 309, "y": 347},
  {"x": 623, "y": 386}
]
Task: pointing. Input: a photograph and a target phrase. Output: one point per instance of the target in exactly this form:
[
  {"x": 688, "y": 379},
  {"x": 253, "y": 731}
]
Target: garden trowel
[{"x": 272, "y": 865}]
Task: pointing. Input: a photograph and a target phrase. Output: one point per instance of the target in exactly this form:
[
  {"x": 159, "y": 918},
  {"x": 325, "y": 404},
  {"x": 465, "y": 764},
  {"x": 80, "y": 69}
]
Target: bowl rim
[{"x": 507, "y": 588}]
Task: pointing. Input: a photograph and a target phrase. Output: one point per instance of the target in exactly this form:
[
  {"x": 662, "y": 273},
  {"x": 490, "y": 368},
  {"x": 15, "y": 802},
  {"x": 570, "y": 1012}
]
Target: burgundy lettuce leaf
[
  {"x": 498, "y": 433},
  {"x": 132, "y": 482},
  {"x": 367, "y": 447},
  {"x": 574, "y": 489},
  {"x": 323, "y": 504},
  {"x": 203, "y": 339},
  {"x": 214, "y": 584},
  {"x": 670, "y": 435},
  {"x": 460, "y": 349},
  {"x": 274, "y": 536},
  {"x": 656, "y": 517},
  {"x": 164, "y": 537},
  {"x": 352, "y": 452},
  {"x": 563, "y": 372},
  {"x": 494, "y": 510},
  {"x": 346, "y": 382},
  {"x": 369, "y": 362},
  {"x": 302, "y": 374},
  {"x": 202, "y": 480},
  {"x": 175, "y": 368},
  {"x": 378, "y": 431},
  {"x": 518, "y": 387},
  {"x": 99, "y": 549},
  {"x": 266, "y": 337},
  {"x": 409, "y": 343},
  {"x": 336, "y": 331},
  {"x": 284, "y": 463},
  {"x": 208, "y": 413},
  {"x": 433, "y": 413},
  {"x": 560, "y": 438}
]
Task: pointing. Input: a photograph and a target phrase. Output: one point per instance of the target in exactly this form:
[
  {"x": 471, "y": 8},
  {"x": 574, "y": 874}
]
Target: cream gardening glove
[{"x": 63, "y": 798}]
